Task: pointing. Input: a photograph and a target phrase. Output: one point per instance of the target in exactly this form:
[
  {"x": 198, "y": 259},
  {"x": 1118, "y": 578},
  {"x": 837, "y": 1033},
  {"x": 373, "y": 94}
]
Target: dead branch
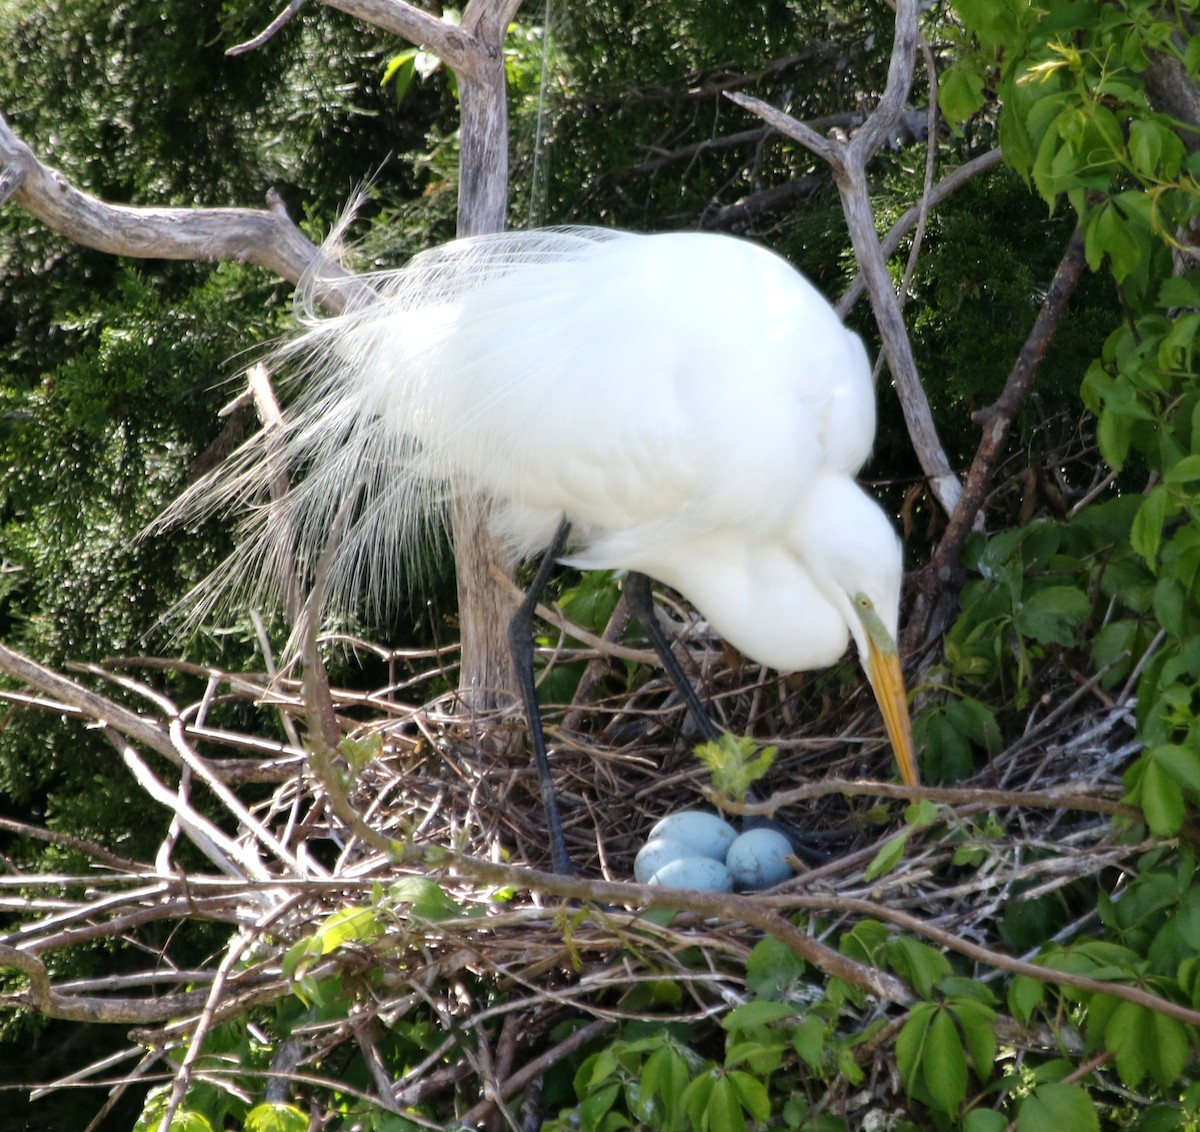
[
  {"x": 848, "y": 160},
  {"x": 242, "y": 235},
  {"x": 908, "y": 220},
  {"x": 937, "y": 593}
]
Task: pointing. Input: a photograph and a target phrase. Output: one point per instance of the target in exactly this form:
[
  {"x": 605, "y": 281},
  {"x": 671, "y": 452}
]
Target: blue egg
[
  {"x": 758, "y": 859},
  {"x": 707, "y": 835},
  {"x": 656, "y": 853},
  {"x": 694, "y": 872}
]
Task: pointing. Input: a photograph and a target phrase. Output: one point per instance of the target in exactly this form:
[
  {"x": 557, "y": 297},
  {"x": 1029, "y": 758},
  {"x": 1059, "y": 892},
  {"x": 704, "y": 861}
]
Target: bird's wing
[
  {"x": 657, "y": 386},
  {"x": 650, "y": 388}
]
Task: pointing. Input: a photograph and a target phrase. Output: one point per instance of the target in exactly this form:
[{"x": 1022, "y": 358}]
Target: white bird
[{"x": 688, "y": 402}]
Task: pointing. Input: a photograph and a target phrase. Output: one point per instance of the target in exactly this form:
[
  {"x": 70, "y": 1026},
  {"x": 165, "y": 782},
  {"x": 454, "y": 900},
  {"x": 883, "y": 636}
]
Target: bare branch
[
  {"x": 241, "y": 235},
  {"x": 269, "y": 31},
  {"x": 744, "y": 210},
  {"x": 938, "y": 598},
  {"x": 790, "y": 127},
  {"x": 848, "y": 161},
  {"x": 90, "y": 704},
  {"x": 51, "y": 1003},
  {"x": 908, "y": 220},
  {"x": 664, "y": 157},
  {"x": 457, "y": 46}
]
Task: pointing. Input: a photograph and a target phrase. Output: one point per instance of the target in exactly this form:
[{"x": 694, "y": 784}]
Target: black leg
[
  {"x": 520, "y": 642},
  {"x": 641, "y": 605}
]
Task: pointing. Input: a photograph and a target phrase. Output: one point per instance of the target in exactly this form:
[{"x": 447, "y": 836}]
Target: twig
[
  {"x": 269, "y": 31},
  {"x": 935, "y": 591},
  {"x": 1064, "y": 799},
  {"x": 232, "y": 859},
  {"x": 179, "y": 1086},
  {"x": 911, "y": 217},
  {"x": 538, "y": 1065},
  {"x": 955, "y": 942},
  {"x": 848, "y": 160}
]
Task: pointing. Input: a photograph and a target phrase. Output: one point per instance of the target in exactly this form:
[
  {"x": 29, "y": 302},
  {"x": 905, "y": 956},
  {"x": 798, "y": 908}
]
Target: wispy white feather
[
  {"x": 688, "y": 401},
  {"x": 370, "y": 430}
]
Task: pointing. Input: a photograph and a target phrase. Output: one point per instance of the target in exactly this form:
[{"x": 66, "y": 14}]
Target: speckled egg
[
  {"x": 707, "y": 835},
  {"x": 694, "y": 872},
  {"x": 656, "y": 853},
  {"x": 758, "y": 859}
]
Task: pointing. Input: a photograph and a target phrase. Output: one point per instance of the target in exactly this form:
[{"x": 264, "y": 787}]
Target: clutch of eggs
[{"x": 695, "y": 849}]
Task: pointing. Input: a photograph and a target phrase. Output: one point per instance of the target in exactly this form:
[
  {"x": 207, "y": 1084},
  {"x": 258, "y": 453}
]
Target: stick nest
[{"x": 509, "y": 974}]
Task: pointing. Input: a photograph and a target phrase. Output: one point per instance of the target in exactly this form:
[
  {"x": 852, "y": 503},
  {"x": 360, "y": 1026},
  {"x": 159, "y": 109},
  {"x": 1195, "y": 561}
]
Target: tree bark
[{"x": 487, "y": 679}]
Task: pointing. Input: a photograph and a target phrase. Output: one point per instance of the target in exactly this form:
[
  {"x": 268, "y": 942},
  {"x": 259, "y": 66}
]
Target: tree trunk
[{"x": 485, "y": 604}]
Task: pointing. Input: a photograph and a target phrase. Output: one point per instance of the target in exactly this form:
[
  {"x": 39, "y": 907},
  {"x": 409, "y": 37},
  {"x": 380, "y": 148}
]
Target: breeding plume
[{"x": 688, "y": 403}]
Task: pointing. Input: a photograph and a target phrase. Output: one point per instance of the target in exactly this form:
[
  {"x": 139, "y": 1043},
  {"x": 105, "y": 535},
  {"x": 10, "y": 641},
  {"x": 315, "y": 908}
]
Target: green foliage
[
  {"x": 275, "y": 1117},
  {"x": 735, "y": 764},
  {"x": 1053, "y": 1107}
]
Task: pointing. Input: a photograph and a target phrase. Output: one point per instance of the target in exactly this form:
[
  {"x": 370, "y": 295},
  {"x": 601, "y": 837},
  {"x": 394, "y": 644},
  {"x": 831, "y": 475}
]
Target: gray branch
[
  {"x": 849, "y": 160},
  {"x": 265, "y": 237}
]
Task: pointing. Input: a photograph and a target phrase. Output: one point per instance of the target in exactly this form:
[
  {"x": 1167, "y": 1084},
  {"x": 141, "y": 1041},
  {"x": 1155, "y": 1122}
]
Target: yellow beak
[{"x": 887, "y": 682}]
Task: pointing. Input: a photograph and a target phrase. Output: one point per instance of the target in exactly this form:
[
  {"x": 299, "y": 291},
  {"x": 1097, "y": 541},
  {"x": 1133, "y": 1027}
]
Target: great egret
[{"x": 688, "y": 403}]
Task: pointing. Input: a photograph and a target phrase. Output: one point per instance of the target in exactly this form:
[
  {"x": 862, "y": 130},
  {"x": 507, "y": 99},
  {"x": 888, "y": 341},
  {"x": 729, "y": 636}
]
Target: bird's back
[
  {"x": 651, "y": 388},
  {"x": 638, "y": 384}
]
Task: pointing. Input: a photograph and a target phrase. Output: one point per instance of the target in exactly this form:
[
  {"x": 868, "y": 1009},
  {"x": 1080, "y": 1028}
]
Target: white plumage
[{"x": 688, "y": 401}]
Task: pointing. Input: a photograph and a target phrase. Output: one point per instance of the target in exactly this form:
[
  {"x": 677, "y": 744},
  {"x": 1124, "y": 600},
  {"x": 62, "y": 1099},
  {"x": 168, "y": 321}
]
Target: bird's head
[{"x": 855, "y": 560}]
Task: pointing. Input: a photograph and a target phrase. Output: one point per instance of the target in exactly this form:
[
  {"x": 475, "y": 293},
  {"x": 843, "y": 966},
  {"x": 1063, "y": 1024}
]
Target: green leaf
[
  {"x": 985, "y": 1120},
  {"x": 960, "y": 91},
  {"x": 1051, "y": 615},
  {"x": 1178, "y": 291},
  {"x": 193, "y": 1122},
  {"x": 918, "y": 964},
  {"x": 347, "y": 925},
  {"x": 275, "y": 1117},
  {"x": 595, "y": 1069},
  {"x": 723, "y": 1113},
  {"x": 1156, "y": 791},
  {"x": 759, "y": 1056},
  {"x": 910, "y": 1044},
  {"x": 1186, "y": 470},
  {"x": 890, "y": 854},
  {"x": 735, "y": 763},
  {"x": 1145, "y": 146},
  {"x": 959, "y": 988},
  {"x": 1144, "y": 1041},
  {"x": 1056, "y": 1108},
  {"x": 1181, "y": 763},
  {"x": 978, "y": 1023},
  {"x": 696, "y": 1097},
  {"x": 595, "y": 1106},
  {"x": 977, "y": 722},
  {"x": 1113, "y": 433},
  {"x": 1025, "y": 995},
  {"x": 426, "y": 898},
  {"x": 772, "y": 968},
  {"x": 185, "y": 1121},
  {"x": 1146, "y": 536},
  {"x": 756, "y": 1014},
  {"x": 945, "y": 1063},
  {"x": 808, "y": 1040},
  {"x": 359, "y": 753},
  {"x": 1113, "y": 645},
  {"x": 752, "y": 1095},
  {"x": 1108, "y": 233}
]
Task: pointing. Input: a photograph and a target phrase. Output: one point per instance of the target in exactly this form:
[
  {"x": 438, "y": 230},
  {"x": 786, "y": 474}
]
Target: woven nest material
[{"x": 519, "y": 972}]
